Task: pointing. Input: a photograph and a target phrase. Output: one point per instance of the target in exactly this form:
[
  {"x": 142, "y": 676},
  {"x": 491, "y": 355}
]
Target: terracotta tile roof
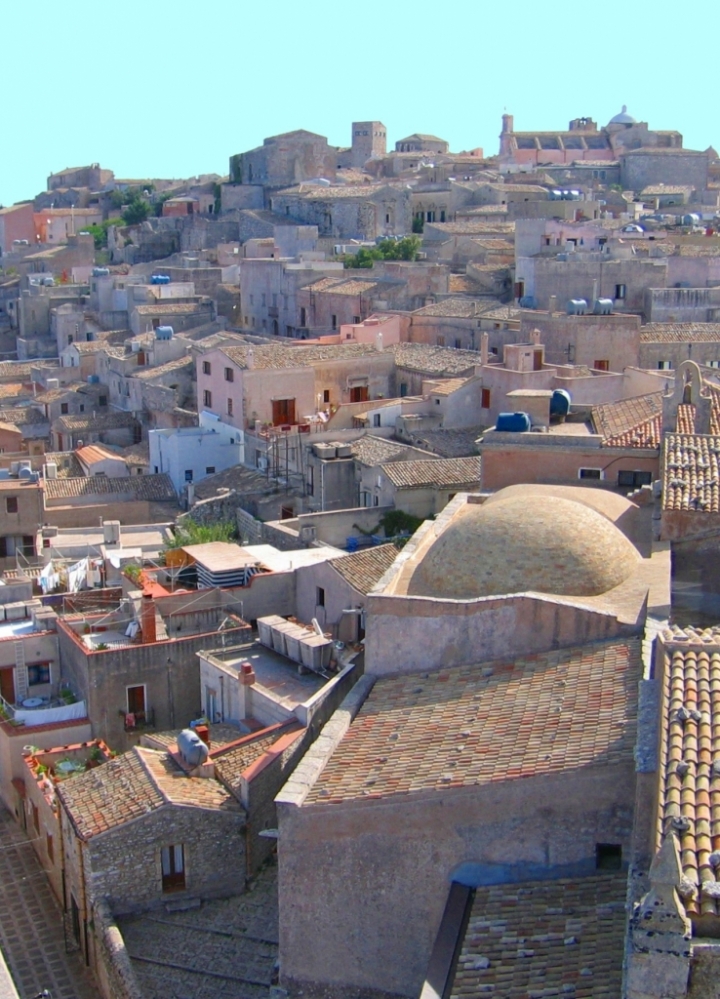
[
  {"x": 17, "y": 369},
  {"x": 472, "y": 227},
  {"x": 154, "y": 488},
  {"x": 691, "y": 479},
  {"x": 630, "y": 422},
  {"x": 457, "y": 473},
  {"x": 364, "y": 569},
  {"x": 231, "y": 762},
  {"x": 165, "y": 308},
  {"x": 239, "y": 479},
  {"x": 21, "y": 415},
  {"x": 450, "y": 443},
  {"x": 220, "y": 735},
  {"x": 473, "y": 725},
  {"x": 545, "y": 939},
  {"x": 92, "y": 453},
  {"x": 690, "y": 782},
  {"x": 461, "y": 284},
  {"x": 371, "y": 451},
  {"x": 458, "y": 308},
  {"x": 67, "y": 464},
  {"x": 136, "y": 454},
  {"x": 180, "y": 363},
  {"x": 427, "y": 360},
  {"x": 342, "y": 286},
  {"x": 132, "y": 785},
  {"x": 11, "y": 390},
  {"x": 446, "y": 386},
  {"x": 281, "y": 355},
  {"x": 101, "y": 421},
  {"x": 680, "y": 333}
]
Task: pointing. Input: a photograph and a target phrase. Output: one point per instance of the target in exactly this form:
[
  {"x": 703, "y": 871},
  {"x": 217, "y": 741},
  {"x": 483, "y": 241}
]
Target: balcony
[
  {"x": 138, "y": 721},
  {"x": 35, "y": 711}
]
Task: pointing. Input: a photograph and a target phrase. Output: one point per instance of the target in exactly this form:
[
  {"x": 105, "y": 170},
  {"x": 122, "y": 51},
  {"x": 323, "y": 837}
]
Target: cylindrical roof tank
[
  {"x": 192, "y": 749},
  {"x": 560, "y": 403},
  {"x": 513, "y": 423}
]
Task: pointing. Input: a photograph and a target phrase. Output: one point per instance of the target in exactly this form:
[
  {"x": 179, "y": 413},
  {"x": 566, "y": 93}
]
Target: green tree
[
  {"x": 189, "y": 532},
  {"x": 418, "y": 224},
  {"x": 136, "y": 211},
  {"x": 406, "y": 248},
  {"x": 99, "y": 232}
]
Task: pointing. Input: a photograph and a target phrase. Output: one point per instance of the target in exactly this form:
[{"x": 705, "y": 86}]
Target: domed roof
[
  {"x": 623, "y": 118},
  {"x": 525, "y": 541}
]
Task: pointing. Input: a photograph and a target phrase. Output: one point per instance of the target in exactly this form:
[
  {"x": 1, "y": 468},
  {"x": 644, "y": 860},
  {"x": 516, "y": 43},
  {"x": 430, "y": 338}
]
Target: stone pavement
[
  {"x": 31, "y": 929},
  {"x": 226, "y": 949}
]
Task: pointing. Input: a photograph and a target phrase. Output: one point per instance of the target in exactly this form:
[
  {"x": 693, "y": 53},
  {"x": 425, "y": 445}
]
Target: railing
[{"x": 138, "y": 721}]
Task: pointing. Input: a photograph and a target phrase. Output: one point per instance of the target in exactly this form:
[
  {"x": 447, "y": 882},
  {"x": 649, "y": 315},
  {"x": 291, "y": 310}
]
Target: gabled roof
[
  {"x": 101, "y": 421},
  {"x": 364, "y": 569},
  {"x": 545, "y": 939},
  {"x": 457, "y": 443},
  {"x": 691, "y": 478},
  {"x": 482, "y": 729},
  {"x": 689, "y": 804},
  {"x": 283, "y": 355},
  {"x": 680, "y": 333},
  {"x": 630, "y": 422},
  {"x": 133, "y": 785},
  {"x": 443, "y": 473},
  {"x": 371, "y": 451},
  {"x": 153, "y": 488}
]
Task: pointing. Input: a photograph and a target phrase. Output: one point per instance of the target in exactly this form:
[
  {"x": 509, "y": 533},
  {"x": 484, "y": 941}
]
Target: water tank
[
  {"x": 164, "y": 333},
  {"x": 160, "y": 279},
  {"x": 577, "y": 307},
  {"x": 560, "y": 403},
  {"x": 100, "y": 271},
  {"x": 93, "y": 379},
  {"x": 527, "y": 302},
  {"x": 513, "y": 423},
  {"x": 50, "y": 470},
  {"x": 690, "y": 219},
  {"x": 52, "y": 383},
  {"x": 191, "y": 747},
  {"x": 602, "y": 306},
  {"x": 25, "y": 474}
]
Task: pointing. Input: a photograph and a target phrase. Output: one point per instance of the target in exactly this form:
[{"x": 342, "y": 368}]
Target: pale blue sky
[{"x": 160, "y": 89}]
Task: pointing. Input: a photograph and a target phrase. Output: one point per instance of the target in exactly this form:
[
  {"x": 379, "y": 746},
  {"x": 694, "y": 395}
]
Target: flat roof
[
  {"x": 278, "y": 561},
  {"x": 274, "y": 673}
]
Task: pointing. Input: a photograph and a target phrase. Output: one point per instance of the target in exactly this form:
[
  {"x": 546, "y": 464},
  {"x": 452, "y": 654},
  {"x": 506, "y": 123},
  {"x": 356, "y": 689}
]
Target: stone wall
[{"x": 112, "y": 965}]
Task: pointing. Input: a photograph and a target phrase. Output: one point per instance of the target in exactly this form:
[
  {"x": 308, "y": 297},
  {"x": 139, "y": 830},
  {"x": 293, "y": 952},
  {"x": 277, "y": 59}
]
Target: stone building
[
  {"x": 359, "y": 211},
  {"x": 285, "y": 159},
  {"x": 369, "y": 141},
  {"x": 419, "y": 142}
]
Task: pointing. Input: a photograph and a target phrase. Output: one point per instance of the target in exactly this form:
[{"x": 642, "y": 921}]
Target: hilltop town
[{"x": 359, "y": 586}]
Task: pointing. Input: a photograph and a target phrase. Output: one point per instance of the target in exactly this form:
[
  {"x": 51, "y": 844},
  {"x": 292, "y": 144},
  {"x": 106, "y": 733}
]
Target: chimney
[
  {"x": 147, "y": 610},
  {"x": 552, "y": 304},
  {"x": 595, "y": 291},
  {"x": 246, "y": 675},
  {"x": 535, "y": 337},
  {"x": 379, "y": 341},
  {"x": 203, "y": 733},
  {"x": 484, "y": 348},
  {"x": 250, "y": 359}
]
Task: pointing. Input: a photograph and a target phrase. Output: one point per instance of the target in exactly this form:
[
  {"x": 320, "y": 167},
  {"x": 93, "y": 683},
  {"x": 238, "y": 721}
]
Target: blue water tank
[
  {"x": 164, "y": 333},
  {"x": 513, "y": 423},
  {"x": 100, "y": 271},
  {"x": 93, "y": 379},
  {"x": 527, "y": 302},
  {"x": 560, "y": 403},
  {"x": 160, "y": 279},
  {"x": 191, "y": 747}
]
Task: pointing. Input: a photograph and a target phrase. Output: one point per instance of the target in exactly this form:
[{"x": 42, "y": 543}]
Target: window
[
  {"x": 664, "y": 365},
  {"x": 326, "y": 395},
  {"x": 356, "y": 320},
  {"x": 713, "y": 364},
  {"x": 210, "y": 470},
  {"x": 458, "y": 343},
  {"x": 608, "y": 856},
  {"x": 319, "y": 596},
  {"x": 333, "y": 322},
  {"x": 136, "y": 699},
  {"x": 485, "y": 398},
  {"x": 376, "y": 419},
  {"x": 207, "y": 368},
  {"x": 437, "y": 402},
  {"x": 82, "y": 408},
  {"x": 64, "y": 409},
  {"x": 38, "y": 673},
  {"x": 207, "y": 398},
  {"x": 440, "y": 340},
  {"x": 229, "y": 375},
  {"x": 620, "y": 291},
  {"x": 590, "y": 473},
  {"x": 376, "y": 501},
  {"x": 172, "y": 861},
  {"x": 403, "y": 389},
  {"x": 633, "y": 480},
  {"x": 229, "y": 407},
  {"x": 102, "y": 400},
  {"x": 603, "y": 365},
  {"x": 188, "y": 474},
  {"x": 11, "y": 504},
  {"x": 263, "y": 298},
  {"x": 311, "y": 480},
  {"x": 283, "y": 411}
]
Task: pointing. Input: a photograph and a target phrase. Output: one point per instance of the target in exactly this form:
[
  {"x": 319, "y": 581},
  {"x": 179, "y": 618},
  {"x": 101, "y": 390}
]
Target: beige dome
[{"x": 525, "y": 542}]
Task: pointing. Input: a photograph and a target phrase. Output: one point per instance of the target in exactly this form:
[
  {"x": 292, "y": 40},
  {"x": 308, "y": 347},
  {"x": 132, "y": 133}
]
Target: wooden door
[
  {"x": 359, "y": 393},
  {"x": 283, "y": 411},
  {"x": 136, "y": 700},
  {"x": 7, "y": 685}
]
